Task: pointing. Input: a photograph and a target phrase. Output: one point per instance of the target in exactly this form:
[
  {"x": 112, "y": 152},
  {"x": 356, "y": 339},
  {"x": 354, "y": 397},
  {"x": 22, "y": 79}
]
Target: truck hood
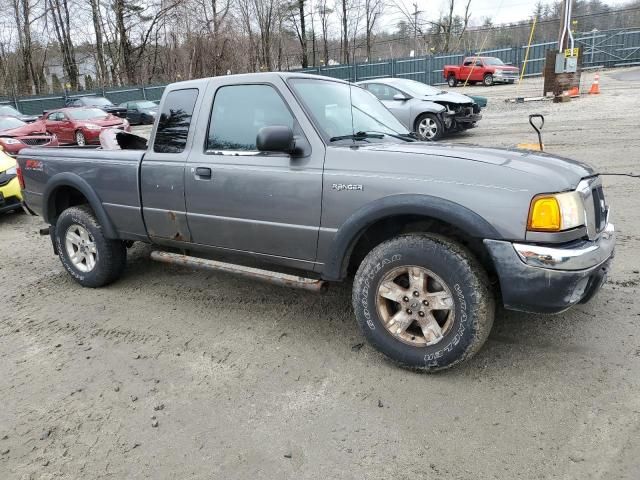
[
  {"x": 550, "y": 168},
  {"x": 450, "y": 97}
]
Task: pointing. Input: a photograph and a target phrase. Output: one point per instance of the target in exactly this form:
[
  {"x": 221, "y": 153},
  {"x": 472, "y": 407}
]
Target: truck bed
[{"x": 113, "y": 175}]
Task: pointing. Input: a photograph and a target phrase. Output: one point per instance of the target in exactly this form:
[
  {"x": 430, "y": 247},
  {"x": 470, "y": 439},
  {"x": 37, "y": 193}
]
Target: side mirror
[
  {"x": 277, "y": 138},
  {"x": 400, "y": 97}
]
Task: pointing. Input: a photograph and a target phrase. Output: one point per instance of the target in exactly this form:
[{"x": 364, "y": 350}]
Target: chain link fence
[{"x": 610, "y": 48}]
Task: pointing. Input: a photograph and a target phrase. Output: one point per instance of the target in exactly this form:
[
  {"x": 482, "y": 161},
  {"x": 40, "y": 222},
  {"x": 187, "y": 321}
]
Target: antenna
[{"x": 353, "y": 128}]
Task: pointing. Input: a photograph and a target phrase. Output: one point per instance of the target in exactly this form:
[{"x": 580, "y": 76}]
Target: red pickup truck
[{"x": 488, "y": 70}]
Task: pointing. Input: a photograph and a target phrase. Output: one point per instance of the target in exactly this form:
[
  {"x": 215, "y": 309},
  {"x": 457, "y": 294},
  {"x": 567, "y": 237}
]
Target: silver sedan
[{"x": 423, "y": 109}]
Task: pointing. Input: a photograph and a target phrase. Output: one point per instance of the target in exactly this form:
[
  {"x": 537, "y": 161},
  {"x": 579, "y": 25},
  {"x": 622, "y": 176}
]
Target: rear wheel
[
  {"x": 429, "y": 127},
  {"x": 452, "y": 81},
  {"x": 80, "y": 140},
  {"x": 487, "y": 80},
  {"x": 90, "y": 258},
  {"x": 424, "y": 301}
]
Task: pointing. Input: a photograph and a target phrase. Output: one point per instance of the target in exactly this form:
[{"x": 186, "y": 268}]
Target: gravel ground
[{"x": 173, "y": 374}]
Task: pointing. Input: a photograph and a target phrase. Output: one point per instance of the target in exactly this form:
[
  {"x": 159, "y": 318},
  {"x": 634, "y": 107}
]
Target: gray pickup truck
[{"x": 304, "y": 180}]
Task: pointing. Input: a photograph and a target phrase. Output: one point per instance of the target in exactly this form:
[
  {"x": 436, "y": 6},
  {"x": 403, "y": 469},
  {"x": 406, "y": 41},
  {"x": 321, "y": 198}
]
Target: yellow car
[{"x": 10, "y": 194}]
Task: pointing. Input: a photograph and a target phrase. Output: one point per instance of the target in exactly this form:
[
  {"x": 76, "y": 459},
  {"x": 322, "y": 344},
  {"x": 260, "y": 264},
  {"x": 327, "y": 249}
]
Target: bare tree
[
  {"x": 24, "y": 19},
  {"x": 325, "y": 14},
  {"x": 103, "y": 74},
  {"x": 345, "y": 32},
  {"x": 297, "y": 20},
  {"x": 59, "y": 13},
  {"x": 373, "y": 10}
]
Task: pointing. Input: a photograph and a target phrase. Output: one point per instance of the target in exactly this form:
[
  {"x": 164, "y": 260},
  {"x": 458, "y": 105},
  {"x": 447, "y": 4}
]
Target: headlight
[
  {"x": 11, "y": 171},
  {"x": 91, "y": 126},
  {"x": 9, "y": 141},
  {"x": 554, "y": 213}
]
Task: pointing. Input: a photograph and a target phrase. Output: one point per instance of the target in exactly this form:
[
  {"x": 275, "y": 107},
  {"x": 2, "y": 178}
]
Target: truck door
[
  {"x": 244, "y": 200},
  {"x": 163, "y": 169},
  {"x": 466, "y": 69}
]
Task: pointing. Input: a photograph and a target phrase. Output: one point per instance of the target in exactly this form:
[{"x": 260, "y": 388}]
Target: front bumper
[
  {"x": 506, "y": 77},
  {"x": 549, "y": 280},
  {"x": 451, "y": 119},
  {"x": 10, "y": 196}
]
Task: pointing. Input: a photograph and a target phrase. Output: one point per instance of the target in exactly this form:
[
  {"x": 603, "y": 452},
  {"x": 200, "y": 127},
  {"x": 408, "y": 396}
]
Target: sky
[{"x": 501, "y": 11}]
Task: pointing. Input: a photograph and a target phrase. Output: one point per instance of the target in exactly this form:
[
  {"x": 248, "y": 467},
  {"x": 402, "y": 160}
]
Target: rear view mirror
[
  {"x": 400, "y": 97},
  {"x": 277, "y": 138}
]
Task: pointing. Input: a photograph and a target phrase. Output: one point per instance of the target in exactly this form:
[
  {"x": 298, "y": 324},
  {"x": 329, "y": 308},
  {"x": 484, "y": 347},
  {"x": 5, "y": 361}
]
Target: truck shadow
[{"x": 517, "y": 339}]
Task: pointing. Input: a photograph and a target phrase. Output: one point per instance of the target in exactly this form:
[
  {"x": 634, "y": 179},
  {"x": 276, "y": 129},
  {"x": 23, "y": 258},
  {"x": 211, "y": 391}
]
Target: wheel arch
[
  {"x": 434, "y": 109},
  {"x": 398, "y": 214},
  {"x": 68, "y": 189}
]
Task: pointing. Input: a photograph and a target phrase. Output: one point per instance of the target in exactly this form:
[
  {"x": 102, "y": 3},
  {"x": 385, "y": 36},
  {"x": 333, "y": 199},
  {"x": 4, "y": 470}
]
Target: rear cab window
[{"x": 174, "y": 122}]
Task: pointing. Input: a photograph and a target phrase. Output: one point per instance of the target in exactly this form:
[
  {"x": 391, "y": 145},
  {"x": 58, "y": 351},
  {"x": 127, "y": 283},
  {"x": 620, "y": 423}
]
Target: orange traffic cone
[
  {"x": 574, "y": 92},
  {"x": 595, "y": 86}
]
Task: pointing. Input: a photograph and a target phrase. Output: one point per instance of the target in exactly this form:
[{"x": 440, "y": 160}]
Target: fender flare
[
  {"x": 67, "y": 179},
  {"x": 349, "y": 233}
]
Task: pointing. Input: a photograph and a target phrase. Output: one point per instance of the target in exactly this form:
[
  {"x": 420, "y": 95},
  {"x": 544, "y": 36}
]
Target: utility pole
[
  {"x": 416, "y": 12},
  {"x": 562, "y": 34}
]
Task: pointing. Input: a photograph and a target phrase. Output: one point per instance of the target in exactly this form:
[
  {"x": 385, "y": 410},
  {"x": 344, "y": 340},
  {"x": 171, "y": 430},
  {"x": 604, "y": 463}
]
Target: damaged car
[
  {"x": 428, "y": 111},
  {"x": 16, "y": 135}
]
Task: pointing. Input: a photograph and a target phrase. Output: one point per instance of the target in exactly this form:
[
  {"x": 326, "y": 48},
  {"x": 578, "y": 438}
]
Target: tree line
[{"x": 50, "y": 45}]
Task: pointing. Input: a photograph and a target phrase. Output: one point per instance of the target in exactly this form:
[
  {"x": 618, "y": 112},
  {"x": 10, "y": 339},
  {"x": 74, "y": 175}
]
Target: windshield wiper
[
  {"x": 407, "y": 137},
  {"x": 358, "y": 136}
]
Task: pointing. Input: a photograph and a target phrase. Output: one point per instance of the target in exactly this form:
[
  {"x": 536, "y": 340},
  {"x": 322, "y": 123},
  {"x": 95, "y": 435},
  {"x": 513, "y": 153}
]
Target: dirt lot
[{"x": 252, "y": 381}]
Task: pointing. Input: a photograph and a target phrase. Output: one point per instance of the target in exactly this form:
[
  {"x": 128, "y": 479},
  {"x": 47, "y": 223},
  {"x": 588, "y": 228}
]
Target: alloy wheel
[
  {"x": 428, "y": 128},
  {"x": 81, "y": 248},
  {"x": 415, "y": 305}
]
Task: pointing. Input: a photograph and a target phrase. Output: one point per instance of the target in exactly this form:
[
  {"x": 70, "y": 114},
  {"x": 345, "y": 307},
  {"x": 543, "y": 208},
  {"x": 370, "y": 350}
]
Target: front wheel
[
  {"x": 488, "y": 80},
  {"x": 424, "y": 301},
  {"x": 90, "y": 258},
  {"x": 429, "y": 127},
  {"x": 452, "y": 81},
  {"x": 80, "y": 139}
]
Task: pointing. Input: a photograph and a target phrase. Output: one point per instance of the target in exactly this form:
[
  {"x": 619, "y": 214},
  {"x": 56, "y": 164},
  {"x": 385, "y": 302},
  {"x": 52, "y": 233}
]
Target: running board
[{"x": 265, "y": 275}]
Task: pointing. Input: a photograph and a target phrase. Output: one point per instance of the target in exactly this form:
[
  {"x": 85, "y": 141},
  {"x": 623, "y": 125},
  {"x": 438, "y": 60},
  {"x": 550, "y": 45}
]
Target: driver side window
[
  {"x": 381, "y": 91},
  {"x": 240, "y": 111}
]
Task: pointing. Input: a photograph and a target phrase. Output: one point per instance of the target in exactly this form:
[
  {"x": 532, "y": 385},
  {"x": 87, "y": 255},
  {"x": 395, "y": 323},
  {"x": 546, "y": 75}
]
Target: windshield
[
  {"x": 329, "y": 103},
  {"x": 416, "y": 89},
  {"x": 493, "y": 61},
  {"x": 97, "y": 102},
  {"x": 10, "y": 123},
  {"x": 146, "y": 104},
  {"x": 7, "y": 110},
  {"x": 87, "y": 114}
]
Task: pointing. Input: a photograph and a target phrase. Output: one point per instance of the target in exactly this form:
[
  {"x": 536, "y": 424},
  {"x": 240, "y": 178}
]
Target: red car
[
  {"x": 16, "y": 135},
  {"x": 81, "y": 126},
  {"x": 488, "y": 70}
]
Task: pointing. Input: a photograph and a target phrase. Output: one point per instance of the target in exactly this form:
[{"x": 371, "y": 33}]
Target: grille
[
  {"x": 35, "y": 141},
  {"x": 599, "y": 208},
  {"x": 6, "y": 178}
]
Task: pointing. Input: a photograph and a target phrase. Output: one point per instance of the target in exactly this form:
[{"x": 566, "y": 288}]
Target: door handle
[{"x": 203, "y": 172}]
